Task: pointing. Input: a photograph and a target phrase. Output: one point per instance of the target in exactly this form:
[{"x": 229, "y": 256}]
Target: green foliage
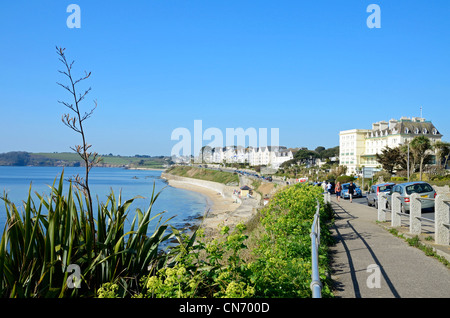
[
  {"x": 282, "y": 266},
  {"x": 22, "y": 158},
  {"x": 38, "y": 246},
  {"x": 212, "y": 269},
  {"x": 204, "y": 174},
  {"x": 399, "y": 179},
  {"x": 108, "y": 290},
  {"x": 389, "y": 158},
  {"x": 345, "y": 179}
]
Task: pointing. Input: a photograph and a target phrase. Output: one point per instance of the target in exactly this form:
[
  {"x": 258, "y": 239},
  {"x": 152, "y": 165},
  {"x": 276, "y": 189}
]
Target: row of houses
[{"x": 269, "y": 156}]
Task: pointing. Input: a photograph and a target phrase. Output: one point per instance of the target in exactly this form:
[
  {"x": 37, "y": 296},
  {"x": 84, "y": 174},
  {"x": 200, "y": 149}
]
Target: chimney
[
  {"x": 383, "y": 125},
  {"x": 392, "y": 123}
]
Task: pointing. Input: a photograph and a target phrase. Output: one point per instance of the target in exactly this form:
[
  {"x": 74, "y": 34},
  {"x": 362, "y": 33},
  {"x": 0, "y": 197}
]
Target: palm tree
[
  {"x": 419, "y": 147},
  {"x": 442, "y": 150}
]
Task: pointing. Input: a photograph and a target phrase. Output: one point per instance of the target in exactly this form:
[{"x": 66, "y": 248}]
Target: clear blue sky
[{"x": 309, "y": 68}]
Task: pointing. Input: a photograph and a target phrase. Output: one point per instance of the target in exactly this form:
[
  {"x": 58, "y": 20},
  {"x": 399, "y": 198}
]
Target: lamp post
[{"x": 407, "y": 163}]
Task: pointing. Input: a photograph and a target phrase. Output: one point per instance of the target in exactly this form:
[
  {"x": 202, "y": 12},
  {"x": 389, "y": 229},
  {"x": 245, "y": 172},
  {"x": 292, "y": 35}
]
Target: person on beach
[
  {"x": 337, "y": 190},
  {"x": 351, "y": 190}
]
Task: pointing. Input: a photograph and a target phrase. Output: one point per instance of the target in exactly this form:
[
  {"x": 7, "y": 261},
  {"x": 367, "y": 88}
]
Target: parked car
[
  {"x": 344, "y": 193},
  {"x": 424, "y": 189},
  {"x": 372, "y": 195}
]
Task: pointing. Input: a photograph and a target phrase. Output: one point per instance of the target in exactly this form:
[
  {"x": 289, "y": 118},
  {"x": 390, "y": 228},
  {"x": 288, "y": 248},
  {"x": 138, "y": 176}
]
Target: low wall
[{"x": 441, "y": 190}]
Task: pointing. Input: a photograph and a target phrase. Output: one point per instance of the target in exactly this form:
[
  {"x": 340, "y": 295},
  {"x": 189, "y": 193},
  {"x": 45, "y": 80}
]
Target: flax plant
[
  {"x": 52, "y": 234},
  {"x": 76, "y": 124},
  {"x": 54, "y": 231}
]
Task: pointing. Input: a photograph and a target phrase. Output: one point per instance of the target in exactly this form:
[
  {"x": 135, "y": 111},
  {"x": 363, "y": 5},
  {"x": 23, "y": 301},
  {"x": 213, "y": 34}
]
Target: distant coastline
[
  {"x": 70, "y": 159},
  {"x": 152, "y": 169}
]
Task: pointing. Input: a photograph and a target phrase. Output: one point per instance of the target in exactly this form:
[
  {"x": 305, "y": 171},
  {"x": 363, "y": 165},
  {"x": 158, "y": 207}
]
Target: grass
[
  {"x": 204, "y": 174},
  {"x": 415, "y": 242}
]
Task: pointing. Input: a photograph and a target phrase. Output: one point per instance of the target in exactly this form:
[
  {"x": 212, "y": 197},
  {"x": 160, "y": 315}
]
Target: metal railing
[
  {"x": 441, "y": 207},
  {"x": 316, "y": 284}
]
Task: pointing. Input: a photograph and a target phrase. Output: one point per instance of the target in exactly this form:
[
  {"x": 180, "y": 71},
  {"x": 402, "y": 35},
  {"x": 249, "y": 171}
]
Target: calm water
[{"x": 185, "y": 205}]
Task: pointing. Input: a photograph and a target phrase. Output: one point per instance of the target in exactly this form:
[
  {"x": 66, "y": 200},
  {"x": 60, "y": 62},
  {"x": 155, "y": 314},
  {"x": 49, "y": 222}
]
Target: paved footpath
[{"x": 370, "y": 262}]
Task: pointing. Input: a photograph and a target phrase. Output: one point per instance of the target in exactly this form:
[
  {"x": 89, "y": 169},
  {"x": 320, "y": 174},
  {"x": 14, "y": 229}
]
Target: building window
[
  {"x": 406, "y": 130},
  {"x": 416, "y": 130}
]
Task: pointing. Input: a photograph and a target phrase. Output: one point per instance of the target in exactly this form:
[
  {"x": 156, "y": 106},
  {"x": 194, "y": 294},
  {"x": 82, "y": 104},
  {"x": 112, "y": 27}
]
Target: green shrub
[
  {"x": 282, "y": 265},
  {"x": 399, "y": 179},
  {"x": 38, "y": 246},
  {"x": 345, "y": 179},
  {"x": 212, "y": 269}
]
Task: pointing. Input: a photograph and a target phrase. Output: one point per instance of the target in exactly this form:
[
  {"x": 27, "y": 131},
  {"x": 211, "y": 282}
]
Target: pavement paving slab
[{"x": 370, "y": 262}]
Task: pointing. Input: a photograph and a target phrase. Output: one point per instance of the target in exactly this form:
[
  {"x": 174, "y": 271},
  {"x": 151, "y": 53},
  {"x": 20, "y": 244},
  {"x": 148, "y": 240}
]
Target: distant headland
[{"x": 69, "y": 159}]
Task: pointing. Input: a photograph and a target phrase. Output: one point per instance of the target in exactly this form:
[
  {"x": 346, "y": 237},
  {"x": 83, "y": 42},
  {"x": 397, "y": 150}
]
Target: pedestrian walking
[
  {"x": 324, "y": 186},
  {"x": 351, "y": 191},
  {"x": 337, "y": 190},
  {"x": 329, "y": 186}
]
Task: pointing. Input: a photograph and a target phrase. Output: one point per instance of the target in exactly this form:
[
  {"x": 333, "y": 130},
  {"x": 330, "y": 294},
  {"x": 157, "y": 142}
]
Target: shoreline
[
  {"x": 224, "y": 209},
  {"x": 138, "y": 168}
]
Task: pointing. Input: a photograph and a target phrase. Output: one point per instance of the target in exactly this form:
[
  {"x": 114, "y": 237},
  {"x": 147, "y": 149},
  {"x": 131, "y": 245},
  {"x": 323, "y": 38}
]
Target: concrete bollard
[
  {"x": 396, "y": 205},
  {"x": 381, "y": 207},
  {"x": 442, "y": 216},
  {"x": 415, "y": 210}
]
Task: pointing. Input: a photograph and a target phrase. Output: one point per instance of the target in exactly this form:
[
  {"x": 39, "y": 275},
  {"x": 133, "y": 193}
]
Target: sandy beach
[{"x": 223, "y": 208}]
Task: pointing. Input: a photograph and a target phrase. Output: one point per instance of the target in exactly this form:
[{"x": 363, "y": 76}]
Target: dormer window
[
  {"x": 416, "y": 131},
  {"x": 424, "y": 131},
  {"x": 434, "y": 131},
  {"x": 406, "y": 130}
]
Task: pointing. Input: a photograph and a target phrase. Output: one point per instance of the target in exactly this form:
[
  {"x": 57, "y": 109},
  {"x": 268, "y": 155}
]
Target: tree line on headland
[{"x": 23, "y": 158}]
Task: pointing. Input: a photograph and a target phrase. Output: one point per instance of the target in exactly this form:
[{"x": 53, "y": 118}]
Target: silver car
[
  {"x": 372, "y": 195},
  {"x": 405, "y": 190}
]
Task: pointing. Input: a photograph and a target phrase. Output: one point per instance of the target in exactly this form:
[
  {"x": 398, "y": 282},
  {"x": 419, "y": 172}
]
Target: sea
[{"x": 186, "y": 208}]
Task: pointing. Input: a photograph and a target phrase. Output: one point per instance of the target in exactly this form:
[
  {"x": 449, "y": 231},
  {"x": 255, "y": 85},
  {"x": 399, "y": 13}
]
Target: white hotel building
[
  {"x": 262, "y": 156},
  {"x": 358, "y": 147}
]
